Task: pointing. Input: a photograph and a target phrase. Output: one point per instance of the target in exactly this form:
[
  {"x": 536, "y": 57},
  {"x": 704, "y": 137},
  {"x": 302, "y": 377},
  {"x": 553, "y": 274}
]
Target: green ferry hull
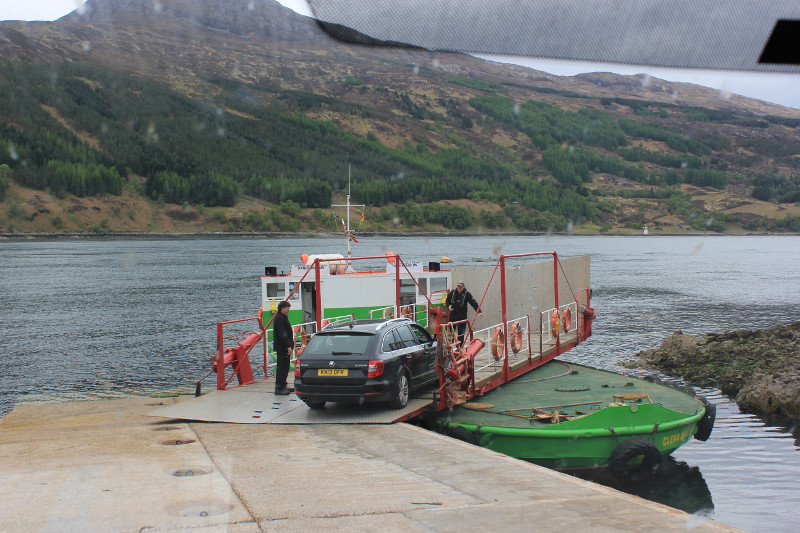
[
  {"x": 600, "y": 411},
  {"x": 587, "y": 448}
]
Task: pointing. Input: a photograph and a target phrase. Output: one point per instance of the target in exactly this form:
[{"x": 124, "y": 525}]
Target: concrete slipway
[{"x": 106, "y": 466}]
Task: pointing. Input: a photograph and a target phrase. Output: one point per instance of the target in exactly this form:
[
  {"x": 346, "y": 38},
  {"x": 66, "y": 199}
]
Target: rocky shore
[{"x": 760, "y": 369}]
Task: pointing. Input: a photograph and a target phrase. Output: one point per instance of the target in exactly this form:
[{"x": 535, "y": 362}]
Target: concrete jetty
[{"x": 107, "y": 466}]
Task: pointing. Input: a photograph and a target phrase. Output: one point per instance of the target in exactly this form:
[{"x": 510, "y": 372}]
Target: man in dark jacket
[
  {"x": 282, "y": 343},
  {"x": 456, "y": 303}
]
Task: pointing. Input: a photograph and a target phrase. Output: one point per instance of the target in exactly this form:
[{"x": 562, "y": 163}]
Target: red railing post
[
  {"x": 220, "y": 358},
  {"x": 504, "y": 315},
  {"x": 397, "y": 283},
  {"x": 555, "y": 284},
  {"x": 318, "y": 294}
]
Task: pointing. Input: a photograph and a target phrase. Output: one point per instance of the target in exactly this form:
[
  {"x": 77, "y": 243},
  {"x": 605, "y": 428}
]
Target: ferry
[{"x": 499, "y": 388}]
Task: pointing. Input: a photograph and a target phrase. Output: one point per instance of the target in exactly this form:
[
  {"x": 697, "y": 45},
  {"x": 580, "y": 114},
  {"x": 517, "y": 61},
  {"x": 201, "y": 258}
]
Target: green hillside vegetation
[{"x": 72, "y": 129}]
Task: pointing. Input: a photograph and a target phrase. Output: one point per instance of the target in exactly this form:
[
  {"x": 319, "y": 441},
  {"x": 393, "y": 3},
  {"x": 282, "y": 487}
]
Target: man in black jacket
[
  {"x": 456, "y": 302},
  {"x": 282, "y": 343}
]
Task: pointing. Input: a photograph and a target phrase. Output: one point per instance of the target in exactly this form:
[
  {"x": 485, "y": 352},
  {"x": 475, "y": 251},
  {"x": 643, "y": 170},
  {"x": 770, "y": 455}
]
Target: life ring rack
[
  {"x": 516, "y": 337},
  {"x": 555, "y": 322},
  {"x": 301, "y": 331},
  {"x": 498, "y": 344},
  {"x": 566, "y": 319}
]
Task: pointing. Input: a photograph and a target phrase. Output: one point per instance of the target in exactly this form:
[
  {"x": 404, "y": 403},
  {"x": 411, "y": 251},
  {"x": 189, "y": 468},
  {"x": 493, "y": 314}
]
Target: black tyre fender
[
  {"x": 402, "y": 391},
  {"x": 706, "y": 424},
  {"x": 462, "y": 434},
  {"x": 619, "y": 463}
]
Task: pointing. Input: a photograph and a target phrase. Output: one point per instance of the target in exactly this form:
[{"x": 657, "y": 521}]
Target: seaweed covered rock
[
  {"x": 778, "y": 393},
  {"x": 759, "y": 368}
]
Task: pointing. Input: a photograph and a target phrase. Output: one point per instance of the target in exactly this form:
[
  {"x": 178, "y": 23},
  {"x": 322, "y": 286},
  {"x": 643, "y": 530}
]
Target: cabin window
[
  {"x": 276, "y": 290},
  {"x": 423, "y": 286},
  {"x": 407, "y": 292},
  {"x": 296, "y": 295},
  {"x": 438, "y": 284}
]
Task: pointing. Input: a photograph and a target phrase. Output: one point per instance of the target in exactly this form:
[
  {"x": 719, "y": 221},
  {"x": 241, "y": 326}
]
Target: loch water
[{"x": 103, "y": 318}]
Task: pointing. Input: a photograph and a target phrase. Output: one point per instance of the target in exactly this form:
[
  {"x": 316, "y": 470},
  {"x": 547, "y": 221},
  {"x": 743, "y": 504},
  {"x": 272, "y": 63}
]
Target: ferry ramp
[
  {"x": 256, "y": 403},
  {"x": 107, "y": 466}
]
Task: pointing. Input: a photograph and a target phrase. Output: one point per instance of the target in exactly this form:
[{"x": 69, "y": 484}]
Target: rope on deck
[{"x": 570, "y": 370}]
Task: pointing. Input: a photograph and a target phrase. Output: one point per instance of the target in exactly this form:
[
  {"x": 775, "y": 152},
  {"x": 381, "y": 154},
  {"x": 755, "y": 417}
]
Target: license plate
[{"x": 332, "y": 372}]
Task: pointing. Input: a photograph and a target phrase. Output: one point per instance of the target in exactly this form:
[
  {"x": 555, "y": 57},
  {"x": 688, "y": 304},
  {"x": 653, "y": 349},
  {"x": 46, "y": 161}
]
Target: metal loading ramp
[{"x": 256, "y": 403}]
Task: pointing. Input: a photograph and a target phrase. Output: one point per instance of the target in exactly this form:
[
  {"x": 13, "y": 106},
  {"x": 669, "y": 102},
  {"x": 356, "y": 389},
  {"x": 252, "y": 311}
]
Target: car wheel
[
  {"x": 402, "y": 392},
  {"x": 314, "y": 405}
]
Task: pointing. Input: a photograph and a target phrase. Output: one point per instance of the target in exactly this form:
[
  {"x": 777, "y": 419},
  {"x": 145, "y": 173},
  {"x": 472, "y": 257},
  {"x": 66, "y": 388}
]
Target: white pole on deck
[
  {"x": 347, "y": 231},
  {"x": 348, "y": 205}
]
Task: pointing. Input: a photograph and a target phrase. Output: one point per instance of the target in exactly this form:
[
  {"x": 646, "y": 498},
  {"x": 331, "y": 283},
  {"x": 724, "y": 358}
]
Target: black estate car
[{"x": 366, "y": 361}]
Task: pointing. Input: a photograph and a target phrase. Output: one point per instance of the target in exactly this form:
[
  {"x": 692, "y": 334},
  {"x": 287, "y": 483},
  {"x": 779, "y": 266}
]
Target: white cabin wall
[{"x": 353, "y": 290}]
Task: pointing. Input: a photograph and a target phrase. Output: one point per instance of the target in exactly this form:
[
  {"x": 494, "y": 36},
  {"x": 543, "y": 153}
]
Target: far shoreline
[{"x": 307, "y": 235}]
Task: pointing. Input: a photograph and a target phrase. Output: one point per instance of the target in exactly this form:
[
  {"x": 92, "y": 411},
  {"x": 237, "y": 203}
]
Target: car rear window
[{"x": 345, "y": 343}]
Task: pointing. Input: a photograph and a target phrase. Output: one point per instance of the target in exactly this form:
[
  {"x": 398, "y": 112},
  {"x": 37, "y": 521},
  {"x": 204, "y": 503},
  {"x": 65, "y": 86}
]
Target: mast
[
  {"x": 347, "y": 235},
  {"x": 347, "y": 231}
]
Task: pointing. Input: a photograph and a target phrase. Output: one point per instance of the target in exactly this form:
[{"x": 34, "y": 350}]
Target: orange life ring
[
  {"x": 407, "y": 312},
  {"x": 261, "y": 317},
  {"x": 566, "y": 319},
  {"x": 299, "y": 330},
  {"x": 554, "y": 323},
  {"x": 498, "y": 344},
  {"x": 516, "y": 337}
]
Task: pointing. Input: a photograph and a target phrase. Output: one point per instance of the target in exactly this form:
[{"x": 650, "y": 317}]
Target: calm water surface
[{"x": 103, "y": 318}]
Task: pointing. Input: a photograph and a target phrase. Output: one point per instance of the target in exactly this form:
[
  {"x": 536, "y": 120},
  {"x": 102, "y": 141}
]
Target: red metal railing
[
  {"x": 561, "y": 345},
  {"x": 238, "y": 356}
]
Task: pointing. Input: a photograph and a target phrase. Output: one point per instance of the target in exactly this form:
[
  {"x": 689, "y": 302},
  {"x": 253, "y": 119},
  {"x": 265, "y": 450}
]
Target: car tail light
[
  {"x": 374, "y": 369},
  {"x": 297, "y": 368}
]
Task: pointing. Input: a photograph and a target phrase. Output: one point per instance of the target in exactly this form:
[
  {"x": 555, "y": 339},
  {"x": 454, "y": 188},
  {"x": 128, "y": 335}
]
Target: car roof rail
[
  {"x": 386, "y": 323},
  {"x": 352, "y": 322}
]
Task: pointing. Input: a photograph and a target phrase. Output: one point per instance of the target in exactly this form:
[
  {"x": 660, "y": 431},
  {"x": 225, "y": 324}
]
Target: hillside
[{"x": 227, "y": 116}]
